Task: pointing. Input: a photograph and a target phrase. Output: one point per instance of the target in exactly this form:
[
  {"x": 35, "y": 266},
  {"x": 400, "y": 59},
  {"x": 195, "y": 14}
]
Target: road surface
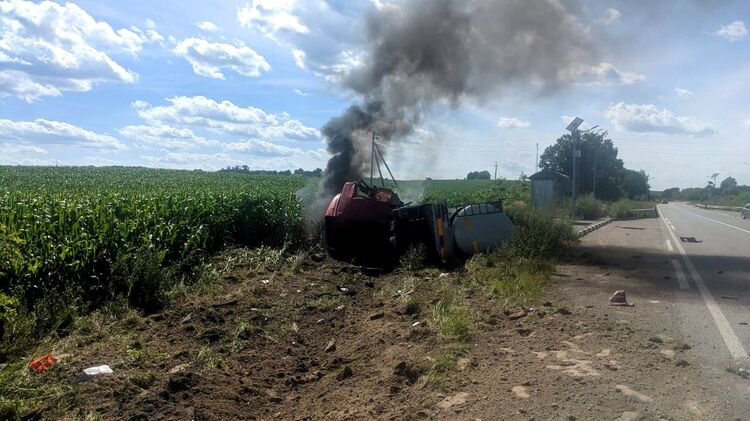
[
  {"x": 688, "y": 274},
  {"x": 717, "y": 265}
]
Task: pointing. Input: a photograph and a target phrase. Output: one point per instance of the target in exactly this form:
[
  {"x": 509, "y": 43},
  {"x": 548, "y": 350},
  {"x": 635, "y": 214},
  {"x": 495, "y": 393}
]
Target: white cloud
[
  {"x": 208, "y": 58},
  {"x": 48, "y": 48},
  {"x": 271, "y": 17},
  {"x": 647, "y": 118},
  {"x": 684, "y": 93},
  {"x": 42, "y": 131},
  {"x": 300, "y": 92},
  {"x": 611, "y": 16},
  {"x": 207, "y": 26},
  {"x": 225, "y": 117},
  {"x": 734, "y": 31},
  {"x": 299, "y": 58},
  {"x": 600, "y": 74},
  {"x": 165, "y": 137},
  {"x": 315, "y": 32},
  {"x": 512, "y": 123},
  {"x": 262, "y": 148}
]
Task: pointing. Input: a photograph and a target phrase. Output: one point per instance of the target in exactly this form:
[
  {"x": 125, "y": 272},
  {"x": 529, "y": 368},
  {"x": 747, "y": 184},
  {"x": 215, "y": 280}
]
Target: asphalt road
[{"x": 712, "y": 250}]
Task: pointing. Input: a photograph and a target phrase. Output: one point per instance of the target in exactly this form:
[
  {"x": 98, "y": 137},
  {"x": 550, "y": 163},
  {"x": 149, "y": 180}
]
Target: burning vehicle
[{"x": 371, "y": 224}]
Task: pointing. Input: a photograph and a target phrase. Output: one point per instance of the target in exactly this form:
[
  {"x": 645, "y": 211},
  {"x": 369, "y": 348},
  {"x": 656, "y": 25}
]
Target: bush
[
  {"x": 588, "y": 207},
  {"x": 623, "y": 207},
  {"x": 538, "y": 233}
]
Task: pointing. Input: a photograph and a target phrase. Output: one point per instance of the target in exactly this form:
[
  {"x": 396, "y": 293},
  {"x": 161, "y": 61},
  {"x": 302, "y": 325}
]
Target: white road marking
[
  {"x": 681, "y": 278},
  {"x": 672, "y": 226},
  {"x": 722, "y": 324},
  {"x": 669, "y": 245},
  {"x": 718, "y": 222}
]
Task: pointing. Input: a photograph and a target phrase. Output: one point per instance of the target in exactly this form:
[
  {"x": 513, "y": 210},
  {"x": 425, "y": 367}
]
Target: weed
[
  {"x": 144, "y": 380},
  {"x": 453, "y": 321},
  {"x": 414, "y": 258},
  {"x": 209, "y": 361}
]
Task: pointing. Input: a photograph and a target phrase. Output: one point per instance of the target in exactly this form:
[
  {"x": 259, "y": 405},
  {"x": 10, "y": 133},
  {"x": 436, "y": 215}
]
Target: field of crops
[
  {"x": 457, "y": 192},
  {"x": 90, "y": 234}
]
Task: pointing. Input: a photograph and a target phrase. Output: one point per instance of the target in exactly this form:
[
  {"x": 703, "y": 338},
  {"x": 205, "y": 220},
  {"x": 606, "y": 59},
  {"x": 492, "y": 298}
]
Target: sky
[{"x": 192, "y": 84}]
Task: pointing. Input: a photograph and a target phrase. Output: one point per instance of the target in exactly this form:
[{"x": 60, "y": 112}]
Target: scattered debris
[
  {"x": 681, "y": 363},
  {"x": 729, "y": 297},
  {"x": 630, "y": 392},
  {"x": 628, "y": 416},
  {"x": 42, "y": 364},
  {"x": 521, "y": 392},
  {"x": 668, "y": 353},
  {"x": 97, "y": 370},
  {"x": 744, "y": 373},
  {"x": 619, "y": 299},
  {"x": 451, "y": 401},
  {"x": 331, "y": 346},
  {"x": 690, "y": 240},
  {"x": 265, "y": 281}
]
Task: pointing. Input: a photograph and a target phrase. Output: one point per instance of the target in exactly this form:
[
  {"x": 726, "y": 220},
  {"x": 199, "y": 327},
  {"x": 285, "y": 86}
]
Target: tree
[
  {"x": 598, "y": 156},
  {"x": 728, "y": 185},
  {"x": 479, "y": 175},
  {"x": 670, "y": 192},
  {"x": 635, "y": 184}
]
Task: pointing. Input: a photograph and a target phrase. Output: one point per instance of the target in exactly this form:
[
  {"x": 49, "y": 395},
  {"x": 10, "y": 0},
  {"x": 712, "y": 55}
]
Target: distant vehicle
[
  {"x": 746, "y": 211},
  {"x": 664, "y": 201}
]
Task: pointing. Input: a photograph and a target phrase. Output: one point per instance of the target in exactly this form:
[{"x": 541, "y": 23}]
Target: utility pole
[
  {"x": 573, "y": 129},
  {"x": 596, "y": 158},
  {"x": 372, "y": 157},
  {"x": 536, "y": 163},
  {"x": 495, "y": 170}
]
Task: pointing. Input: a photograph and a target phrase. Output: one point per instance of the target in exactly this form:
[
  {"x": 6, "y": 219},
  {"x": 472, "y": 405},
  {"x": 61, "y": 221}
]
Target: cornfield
[{"x": 95, "y": 233}]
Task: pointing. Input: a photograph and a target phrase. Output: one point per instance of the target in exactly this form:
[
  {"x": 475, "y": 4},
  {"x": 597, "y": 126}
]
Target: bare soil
[{"x": 334, "y": 341}]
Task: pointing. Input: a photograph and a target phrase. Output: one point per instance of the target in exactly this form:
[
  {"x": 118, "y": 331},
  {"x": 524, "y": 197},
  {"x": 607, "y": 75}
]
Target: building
[{"x": 548, "y": 188}]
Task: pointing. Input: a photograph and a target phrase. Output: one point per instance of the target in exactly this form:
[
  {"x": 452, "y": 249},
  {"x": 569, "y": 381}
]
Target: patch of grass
[
  {"x": 516, "y": 281},
  {"x": 440, "y": 367},
  {"x": 208, "y": 360},
  {"x": 26, "y": 395},
  {"x": 539, "y": 234},
  {"x": 452, "y": 320},
  {"x": 414, "y": 258},
  {"x": 297, "y": 260},
  {"x": 144, "y": 380}
]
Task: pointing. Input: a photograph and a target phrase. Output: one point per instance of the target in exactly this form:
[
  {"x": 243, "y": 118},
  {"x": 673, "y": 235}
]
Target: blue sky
[{"x": 187, "y": 84}]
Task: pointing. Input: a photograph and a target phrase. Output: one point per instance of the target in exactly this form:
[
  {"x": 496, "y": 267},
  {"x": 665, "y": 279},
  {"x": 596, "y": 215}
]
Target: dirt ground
[{"x": 327, "y": 340}]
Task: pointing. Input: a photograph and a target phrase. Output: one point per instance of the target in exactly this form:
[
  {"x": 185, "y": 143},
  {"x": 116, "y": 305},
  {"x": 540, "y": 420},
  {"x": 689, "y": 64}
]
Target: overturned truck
[{"x": 372, "y": 225}]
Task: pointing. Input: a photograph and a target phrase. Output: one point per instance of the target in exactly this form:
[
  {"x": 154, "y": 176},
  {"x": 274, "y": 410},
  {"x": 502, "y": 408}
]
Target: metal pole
[
  {"x": 574, "y": 192},
  {"x": 377, "y": 148},
  {"x": 377, "y": 163},
  {"x": 495, "y": 170},
  {"x": 536, "y": 163},
  {"x": 372, "y": 157},
  {"x": 596, "y": 158}
]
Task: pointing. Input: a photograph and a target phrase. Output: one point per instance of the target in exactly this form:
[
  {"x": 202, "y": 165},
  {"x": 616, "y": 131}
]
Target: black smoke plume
[{"x": 420, "y": 52}]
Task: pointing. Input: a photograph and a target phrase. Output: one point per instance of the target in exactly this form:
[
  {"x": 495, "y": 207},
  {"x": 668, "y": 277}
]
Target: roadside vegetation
[{"x": 727, "y": 193}]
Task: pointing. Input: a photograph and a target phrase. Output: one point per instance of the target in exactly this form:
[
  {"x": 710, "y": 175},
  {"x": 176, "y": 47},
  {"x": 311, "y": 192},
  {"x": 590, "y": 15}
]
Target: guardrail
[
  {"x": 717, "y": 207},
  {"x": 592, "y": 227}
]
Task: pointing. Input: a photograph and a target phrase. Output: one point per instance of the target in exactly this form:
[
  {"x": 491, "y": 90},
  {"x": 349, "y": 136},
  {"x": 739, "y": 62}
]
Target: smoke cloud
[{"x": 422, "y": 52}]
